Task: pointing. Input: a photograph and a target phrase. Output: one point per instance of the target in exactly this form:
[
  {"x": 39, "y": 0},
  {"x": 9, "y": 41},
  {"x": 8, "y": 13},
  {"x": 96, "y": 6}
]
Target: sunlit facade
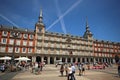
[{"x": 41, "y": 45}]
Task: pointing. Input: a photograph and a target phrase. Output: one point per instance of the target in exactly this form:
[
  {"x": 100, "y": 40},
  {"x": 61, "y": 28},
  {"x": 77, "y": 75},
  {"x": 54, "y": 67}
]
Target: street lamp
[
  {"x": 14, "y": 35},
  {"x": 68, "y": 41}
]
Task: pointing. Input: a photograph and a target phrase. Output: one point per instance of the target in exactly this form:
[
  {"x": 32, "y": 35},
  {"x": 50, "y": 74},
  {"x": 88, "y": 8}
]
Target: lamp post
[
  {"x": 68, "y": 40},
  {"x": 14, "y": 35}
]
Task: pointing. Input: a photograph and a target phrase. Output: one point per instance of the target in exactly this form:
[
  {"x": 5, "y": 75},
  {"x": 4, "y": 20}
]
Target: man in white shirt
[{"x": 73, "y": 71}]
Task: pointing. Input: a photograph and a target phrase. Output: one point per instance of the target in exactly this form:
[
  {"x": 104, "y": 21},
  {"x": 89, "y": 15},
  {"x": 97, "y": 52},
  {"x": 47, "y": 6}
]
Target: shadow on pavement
[{"x": 8, "y": 75}]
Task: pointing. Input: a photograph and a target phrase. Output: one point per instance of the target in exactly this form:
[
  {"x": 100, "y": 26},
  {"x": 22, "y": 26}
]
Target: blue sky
[{"x": 65, "y": 16}]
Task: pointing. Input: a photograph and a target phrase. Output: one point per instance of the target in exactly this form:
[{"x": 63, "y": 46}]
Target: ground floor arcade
[
  {"x": 51, "y": 58},
  {"x": 71, "y": 59}
]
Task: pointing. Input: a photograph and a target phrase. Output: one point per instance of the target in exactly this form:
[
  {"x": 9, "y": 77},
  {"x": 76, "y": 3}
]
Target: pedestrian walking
[
  {"x": 62, "y": 69},
  {"x": 83, "y": 69},
  {"x": 66, "y": 69},
  {"x": 80, "y": 69},
  {"x": 69, "y": 76},
  {"x": 73, "y": 71},
  {"x": 39, "y": 68},
  {"x": 119, "y": 68}
]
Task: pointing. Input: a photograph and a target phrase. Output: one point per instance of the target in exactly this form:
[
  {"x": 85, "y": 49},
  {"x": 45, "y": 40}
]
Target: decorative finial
[
  {"x": 41, "y": 15},
  {"x": 87, "y": 22}
]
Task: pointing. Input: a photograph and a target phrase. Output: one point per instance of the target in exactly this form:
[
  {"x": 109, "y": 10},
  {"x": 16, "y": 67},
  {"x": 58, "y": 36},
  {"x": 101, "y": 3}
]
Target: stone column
[
  {"x": 113, "y": 60},
  {"x": 76, "y": 59},
  {"x": 54, "y": 60},
  {"x": 42, "y": 58},
  {"x": 81, "y": 59},
  {"x": 98, "y": 60},
  {"x": 48, "y": 59},
  {"x": 33, "y": 58},
  {"x": 102, "y": 60},
  {"x": 71, "y": 59},
  {"x": 107, "y": 60},
  {"x": 89, "y": 60},
  {"x": 94, "y": 60},
  {"x": 85, "y": 59},
  {"x": 61, "y": 58},
  {"x": 66, "y": 60}
]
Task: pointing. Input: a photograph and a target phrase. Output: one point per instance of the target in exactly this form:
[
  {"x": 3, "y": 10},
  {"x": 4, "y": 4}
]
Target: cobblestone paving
[{"x": 50, "y": 72}]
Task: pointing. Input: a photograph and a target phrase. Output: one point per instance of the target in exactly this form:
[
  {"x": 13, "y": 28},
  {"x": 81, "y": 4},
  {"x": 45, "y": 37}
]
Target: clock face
[{"x": 40, "y": 29}]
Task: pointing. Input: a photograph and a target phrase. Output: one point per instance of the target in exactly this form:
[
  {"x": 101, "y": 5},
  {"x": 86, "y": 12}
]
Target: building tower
[
  {"x": 39, "y": 34},
  {"x": 39, "y": 26},
  {"x": 87, "y": 34}
]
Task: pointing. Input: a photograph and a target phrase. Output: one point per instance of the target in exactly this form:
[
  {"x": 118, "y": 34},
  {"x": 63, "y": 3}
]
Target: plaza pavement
[{"x": 50, "y": 72}]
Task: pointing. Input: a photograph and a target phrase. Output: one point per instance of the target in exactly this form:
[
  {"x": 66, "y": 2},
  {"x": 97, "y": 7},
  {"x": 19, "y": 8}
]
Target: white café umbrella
[
  {"x": 5, "y": 58},
  {"x": 22, "y": 59}
]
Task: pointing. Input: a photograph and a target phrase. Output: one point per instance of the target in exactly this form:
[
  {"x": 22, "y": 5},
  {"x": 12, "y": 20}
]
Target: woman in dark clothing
[
  {"x": 62, "y": 69},
  {"x": 119, "y": 68}
]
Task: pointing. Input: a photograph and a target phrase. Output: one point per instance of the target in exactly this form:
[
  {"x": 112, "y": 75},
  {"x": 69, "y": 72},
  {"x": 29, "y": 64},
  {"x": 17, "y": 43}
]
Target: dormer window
[
  {"x": 31, "y": 36},
  {"x": 4, "y": 33},
  {"x": 25, "y": 35}
]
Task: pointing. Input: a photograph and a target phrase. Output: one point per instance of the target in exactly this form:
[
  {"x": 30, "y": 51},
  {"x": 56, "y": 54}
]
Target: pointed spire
[
  {"x": 40, "y": 17},
  {"x": 87, "y": 32},
  {"x": 87, "y": 26}
]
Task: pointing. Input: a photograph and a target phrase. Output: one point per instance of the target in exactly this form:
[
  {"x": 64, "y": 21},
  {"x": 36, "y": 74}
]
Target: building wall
[
  {"x": 41, "y": 45},
  {"x": 106, "y": 49},
  {"x": 23, "y": 44}
]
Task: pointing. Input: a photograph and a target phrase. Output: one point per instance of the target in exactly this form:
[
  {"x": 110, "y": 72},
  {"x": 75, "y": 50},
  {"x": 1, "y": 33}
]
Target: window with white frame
[
  {"x": 31, "y": 36},
  {"x": 10, "y": 49},
  {"x": 17, "y": 42},
  {"x": 46, "y": 44},
  {"x": 95, "y": 44},
  {"x": 95, "y": 49},
  {"x": 52, "y": 44},
  {"x": 24, "y": 42},
  {"x": 17, "y": 49},
  {"x": 38, "y": 44},
  {"x": 105, "y": 55},
  {"x": 63, "y": 46},
  {"x": 57, "y": 45},
  {"x": 4, "y": 40},
  {"x": 63, "y": 40},
  {"x": 30, "y": 43},
  {"x": 39, "y": 50},
  {"x": 52, "y": 39},
  {"x": 11, "y": 41},
  {"x": 46, "y": 38},
  {"x": 39, "y": 37},
  {"x": 118, "y": 50},
  {"x": 29, "y": 50},
  {"x": 57, "y": 52},
  {"x": 4, "y": 33},
  {"x": 25, "y": 35},
  {"x": 46, "y": 51},
  {"x": 23, "y": 50},
  {"x": 2, "y": 49},
  {"x": 99, "y": 49}
]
